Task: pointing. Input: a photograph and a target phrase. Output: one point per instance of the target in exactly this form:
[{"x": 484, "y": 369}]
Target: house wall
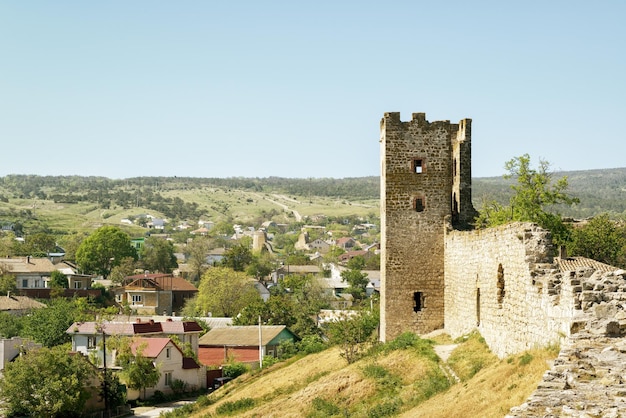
[
  {"x": 195, "y": 378},
  {"x": 412, "y": 237}
]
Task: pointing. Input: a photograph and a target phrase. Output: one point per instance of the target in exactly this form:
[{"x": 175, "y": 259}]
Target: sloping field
[{"x": 407, "y": 382}]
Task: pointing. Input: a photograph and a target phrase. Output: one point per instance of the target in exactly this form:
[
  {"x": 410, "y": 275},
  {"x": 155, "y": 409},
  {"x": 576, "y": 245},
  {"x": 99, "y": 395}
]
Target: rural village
[{"x": 187, "y": 308}]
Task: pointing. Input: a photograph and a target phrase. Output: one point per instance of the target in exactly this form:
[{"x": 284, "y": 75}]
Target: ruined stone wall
[
  {"x": 417, "y": 177},
  {"x": 502, "y": 282}
]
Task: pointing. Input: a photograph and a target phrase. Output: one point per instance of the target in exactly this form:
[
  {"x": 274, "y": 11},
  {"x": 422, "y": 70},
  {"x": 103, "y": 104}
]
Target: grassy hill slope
[{"x": 409, "y": 381}]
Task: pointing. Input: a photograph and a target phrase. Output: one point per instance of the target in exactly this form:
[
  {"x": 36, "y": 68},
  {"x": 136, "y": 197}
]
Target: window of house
[
  {"x": 118, "y": 297},
  {"x": 91, "y": 342},
  {"x": 25, "y": 283},
  {"x": 418, "y": 301},
  {"x": 78, "y": 284},
  {"x": 419, "y": 204},
  {"x": 168, "y": 379},
  {"x": 137, "y": 299},
  {"x": 168, "y": 352},
  {"x": 418, "y": 166},
  {"x": 37, "y": 283}
]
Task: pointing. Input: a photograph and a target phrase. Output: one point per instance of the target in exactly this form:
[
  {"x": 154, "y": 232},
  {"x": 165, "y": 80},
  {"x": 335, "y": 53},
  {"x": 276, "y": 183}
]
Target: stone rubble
[{"x": 588, "y": 378}]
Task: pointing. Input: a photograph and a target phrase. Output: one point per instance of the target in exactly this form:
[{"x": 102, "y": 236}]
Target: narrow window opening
[
  {"x": 418, "y": 299},
  {"x": 501, "y": 291},
  {"x": 478, "y": 307},
  {"x": 418, "y": 204},
  {"x": 418, "y": 166}
]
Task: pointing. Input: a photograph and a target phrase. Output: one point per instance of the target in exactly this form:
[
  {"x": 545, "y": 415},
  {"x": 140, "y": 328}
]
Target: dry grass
[
  {"x": 491, "y": 392},
  {"x": 291, "y": 389}
]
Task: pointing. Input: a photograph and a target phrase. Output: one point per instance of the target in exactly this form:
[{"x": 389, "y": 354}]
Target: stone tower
[{"x": 425, "y": 187}]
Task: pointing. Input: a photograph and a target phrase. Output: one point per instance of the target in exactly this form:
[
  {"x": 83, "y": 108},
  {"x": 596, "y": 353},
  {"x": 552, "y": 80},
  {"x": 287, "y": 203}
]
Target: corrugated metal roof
[{"x": 241, "y": 335}]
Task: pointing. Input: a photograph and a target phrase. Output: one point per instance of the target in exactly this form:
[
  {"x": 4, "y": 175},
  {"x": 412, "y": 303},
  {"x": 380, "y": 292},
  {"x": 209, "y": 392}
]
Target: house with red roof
[
  {"x": 154, "y": 339},
  {"x": 171, "y": 362},
  {"x": 88, "y": 337}
]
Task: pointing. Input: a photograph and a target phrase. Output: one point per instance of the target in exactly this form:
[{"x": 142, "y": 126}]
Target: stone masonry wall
[
  {"x": 416, "y": 198},
  {"x": 502, "y": 282}
]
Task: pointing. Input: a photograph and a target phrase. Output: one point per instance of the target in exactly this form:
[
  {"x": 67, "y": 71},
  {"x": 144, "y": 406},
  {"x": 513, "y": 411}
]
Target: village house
[
  {"x": 242, "y": 343},
  {"x": 87, "y": 337},
  {"x": 32, "y": 276},
  {"x": 171, "y": 362},
  {"x": 155, "y": 293}
]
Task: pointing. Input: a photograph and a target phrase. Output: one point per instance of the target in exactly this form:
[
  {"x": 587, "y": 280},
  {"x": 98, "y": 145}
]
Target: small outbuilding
[{"x": 242, "y": 343}]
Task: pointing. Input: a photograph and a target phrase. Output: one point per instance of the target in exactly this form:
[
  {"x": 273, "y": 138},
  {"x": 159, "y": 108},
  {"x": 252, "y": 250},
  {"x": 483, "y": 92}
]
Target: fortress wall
[{"x": 502, "y": 282}]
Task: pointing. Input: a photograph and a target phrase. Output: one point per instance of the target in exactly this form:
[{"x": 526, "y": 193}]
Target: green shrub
[
  {"x": 375, "y": 371},
  {"x": 229, "y": 408},
  {"x": 323, "y": 409},
  {"x": 385, "y": 409},
  {"x": 311, "y": 344},
  {"x": 525, "y": 359},
  {"x": 234, "y": 369},
  {"x": 434, "y": 382}
]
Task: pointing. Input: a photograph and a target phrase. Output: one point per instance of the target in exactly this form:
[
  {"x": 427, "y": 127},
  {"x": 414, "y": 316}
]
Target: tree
[
  {"x": 124, "y": 269},
  {"x": 196, "y": 252},
  {"x": 46, "y": 383},
  {"x": 237, "y": 257},
  {"x": 48, "y": 325},
  {"x": 533, "y": 194},
  {"x": 351, "y": 332},
  {"x": 70, "y": 244},
  {"x": 104, "y": 249},
  {"x": 58, "y": 280},
  {"x": 58, "y": 284},
  {"x": 600, "y": 239},
  {"x": 7, "y": 283},
  {"x": 224, "y": 292},
  {"x": 10, "y": 325},
  {"x": 40, "y": 244},
  {"x": 157, "y": 254},
  {"x": 138, "y": 372},
  {"x": 260, "y": 266},
  {"x": 357, "y": 280}
]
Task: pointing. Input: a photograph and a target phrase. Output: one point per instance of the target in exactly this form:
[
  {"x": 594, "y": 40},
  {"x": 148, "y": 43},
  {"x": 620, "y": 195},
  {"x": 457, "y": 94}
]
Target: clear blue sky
[{"x": 297, "y": 89}]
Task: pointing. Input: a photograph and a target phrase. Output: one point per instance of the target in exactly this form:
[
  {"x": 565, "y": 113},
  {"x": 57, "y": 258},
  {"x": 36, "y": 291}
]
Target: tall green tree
[
  {"x": 48, "y": 325},
  {"x": 600, "y": 239},
  {"x": 104, "y": 249},
  {"x": 237, "y": 257},
  {"x": 534, "y": 193},
  {"x": 357, "y": 280},
  {"x": 46, "y": 383},
  {"x": 157, "y": 254},
  {"x": 223, "y": 292},
  {"x": 196, "y": 252}
]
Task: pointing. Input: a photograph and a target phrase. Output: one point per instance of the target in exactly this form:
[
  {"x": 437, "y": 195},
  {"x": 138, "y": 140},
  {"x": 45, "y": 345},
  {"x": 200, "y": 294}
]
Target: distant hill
[
  {"x": 599, "y": 191},
  {"x": 68, "y": 203}
]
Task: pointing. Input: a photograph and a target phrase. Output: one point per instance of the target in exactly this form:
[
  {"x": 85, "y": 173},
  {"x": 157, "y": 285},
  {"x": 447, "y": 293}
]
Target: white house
[{"x": 171, "y": 363}]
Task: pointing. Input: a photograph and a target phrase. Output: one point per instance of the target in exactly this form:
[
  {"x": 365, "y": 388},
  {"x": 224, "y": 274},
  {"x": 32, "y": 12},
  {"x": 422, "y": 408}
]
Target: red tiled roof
[
  {"x": 576, "y": 263},
  {"x": 150, "y": 347}
]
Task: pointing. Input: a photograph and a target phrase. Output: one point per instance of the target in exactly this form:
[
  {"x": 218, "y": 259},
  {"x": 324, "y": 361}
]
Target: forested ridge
[{"x": 599, "y": 191}]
